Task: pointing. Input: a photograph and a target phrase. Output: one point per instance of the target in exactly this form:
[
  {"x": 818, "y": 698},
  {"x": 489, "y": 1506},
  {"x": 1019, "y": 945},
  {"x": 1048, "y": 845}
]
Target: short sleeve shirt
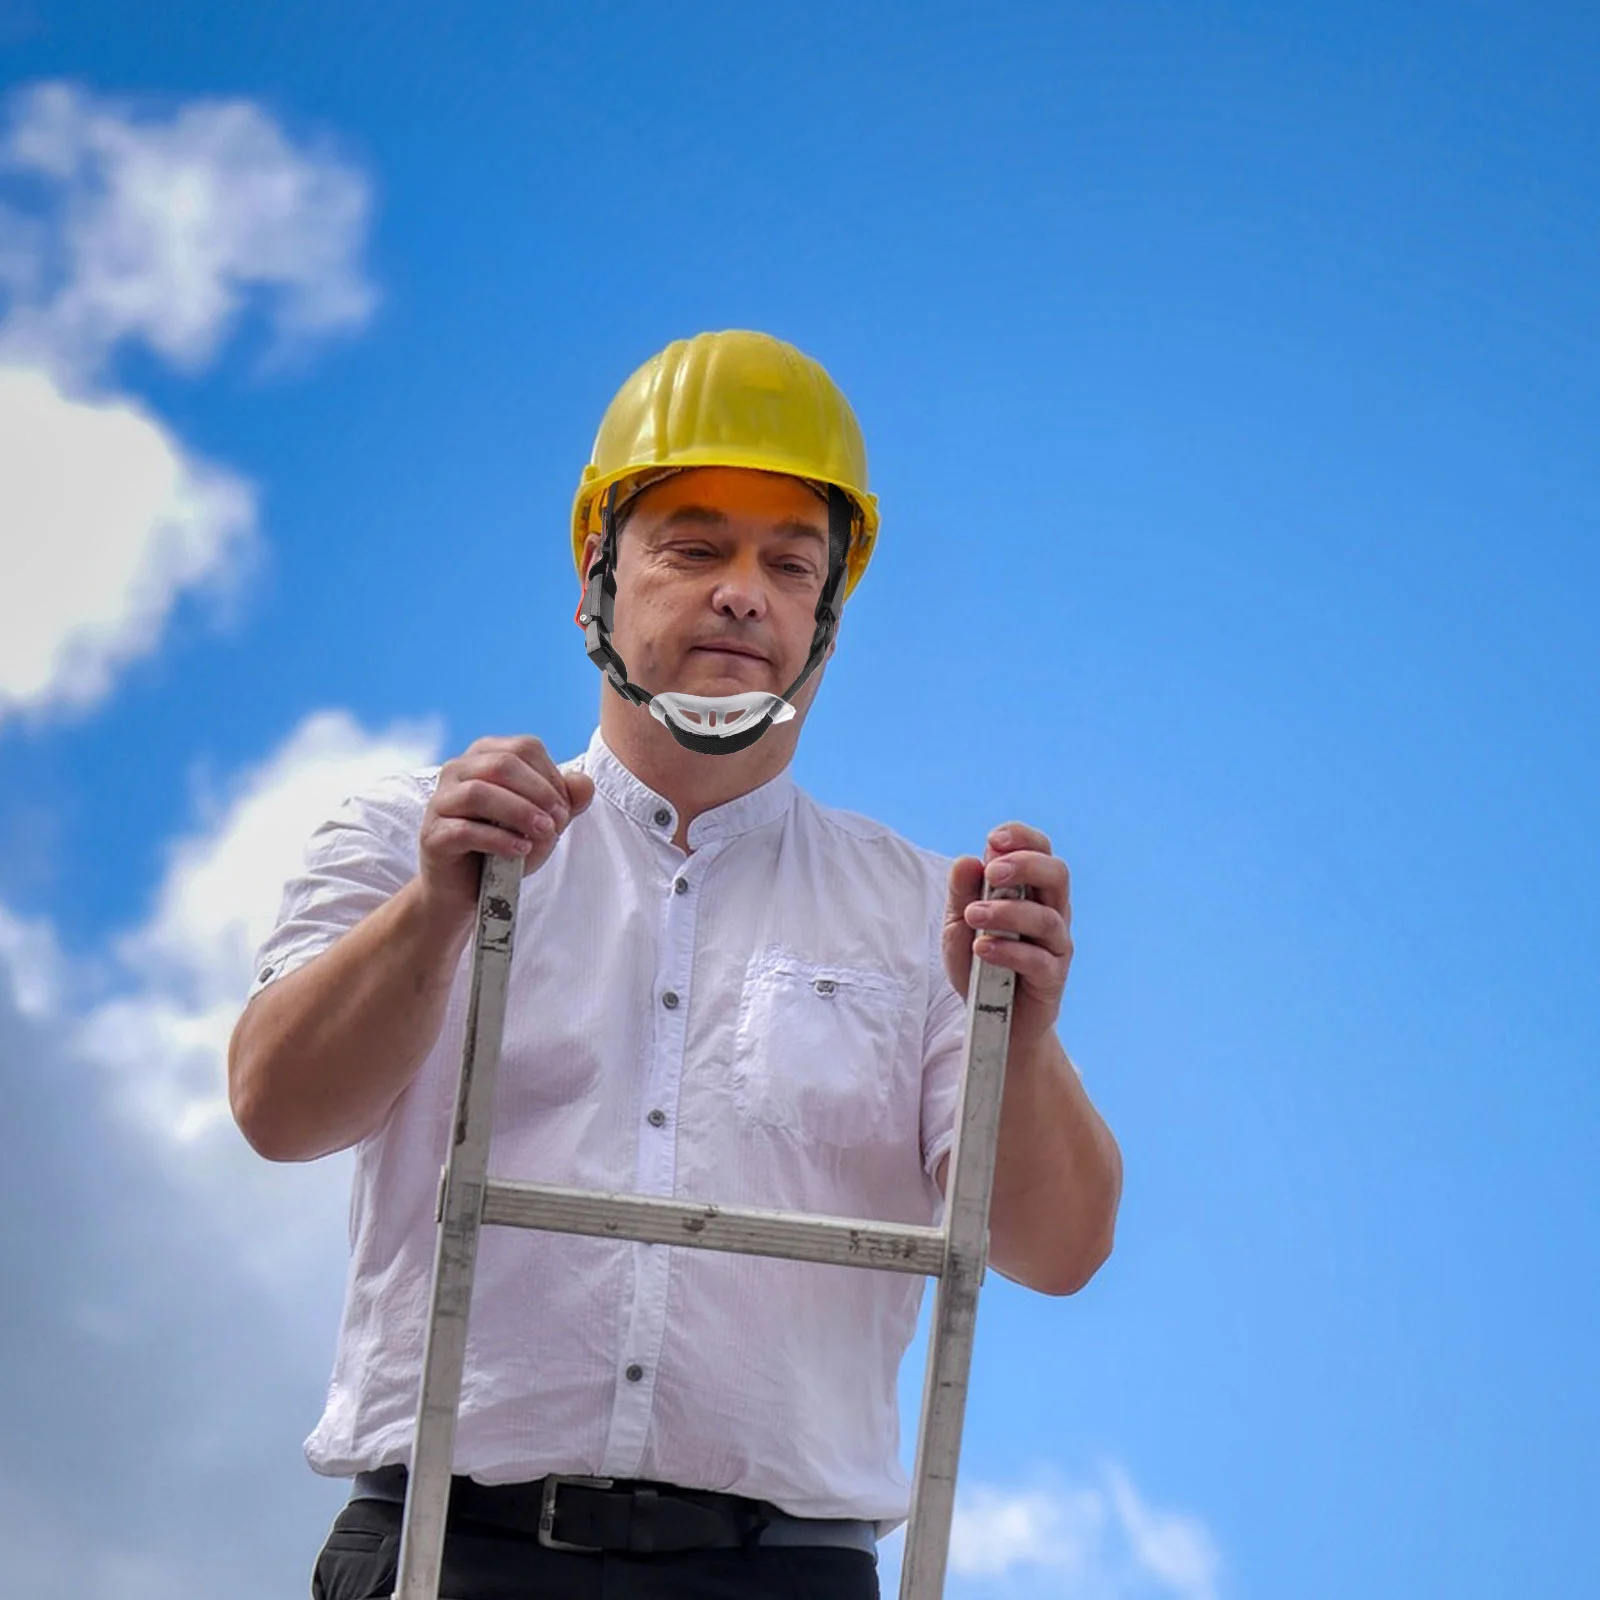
[{"x": 763, "y": 1022}]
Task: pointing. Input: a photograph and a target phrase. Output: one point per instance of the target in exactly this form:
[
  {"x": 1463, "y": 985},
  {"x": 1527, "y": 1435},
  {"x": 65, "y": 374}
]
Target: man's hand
[
  {"x": 318, "y": 1060},
  {"x": 1016, "y": 854},
  {"x": 504, "y": 797}
]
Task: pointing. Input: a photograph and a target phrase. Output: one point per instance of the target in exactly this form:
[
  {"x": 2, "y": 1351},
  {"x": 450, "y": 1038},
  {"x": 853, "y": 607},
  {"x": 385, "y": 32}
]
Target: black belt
[{"x": 593, "y": 1514}]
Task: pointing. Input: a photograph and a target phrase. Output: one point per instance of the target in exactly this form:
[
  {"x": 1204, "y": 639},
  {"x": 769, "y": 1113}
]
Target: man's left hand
[{"x": 1016, "y": 854}]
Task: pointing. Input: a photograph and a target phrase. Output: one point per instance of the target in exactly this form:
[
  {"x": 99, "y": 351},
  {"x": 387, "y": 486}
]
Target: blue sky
[{"x": 1229, "y": 377}]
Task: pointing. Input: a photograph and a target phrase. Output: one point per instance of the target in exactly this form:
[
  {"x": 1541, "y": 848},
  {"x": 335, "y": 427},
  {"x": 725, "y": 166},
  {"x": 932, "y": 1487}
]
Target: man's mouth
[{"x": 731, "y": 650}]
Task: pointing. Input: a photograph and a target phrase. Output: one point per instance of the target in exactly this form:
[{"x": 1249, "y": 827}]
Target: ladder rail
[
  {"x": 460, "y": 1218},
  {"x": 954, "y": 1254},
  {"x": 969, "y": 1187}
]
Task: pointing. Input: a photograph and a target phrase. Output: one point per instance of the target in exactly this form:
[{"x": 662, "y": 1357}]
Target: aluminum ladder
[{"x": 955, "y": 1254}]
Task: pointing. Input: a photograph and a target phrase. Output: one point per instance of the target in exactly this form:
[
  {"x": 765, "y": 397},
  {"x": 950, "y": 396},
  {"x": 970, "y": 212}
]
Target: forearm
[
  {"x": 1058, "y": 1177},
  {"x": 318, "y": 1059}
]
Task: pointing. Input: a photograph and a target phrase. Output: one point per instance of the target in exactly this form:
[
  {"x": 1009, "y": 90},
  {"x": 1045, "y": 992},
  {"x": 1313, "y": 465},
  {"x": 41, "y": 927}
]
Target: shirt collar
[{"x": 733, "y": 817}]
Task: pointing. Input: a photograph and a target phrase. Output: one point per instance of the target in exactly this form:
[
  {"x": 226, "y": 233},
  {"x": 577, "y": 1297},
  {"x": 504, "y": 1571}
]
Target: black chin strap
[{"x": 597, "y": 614}]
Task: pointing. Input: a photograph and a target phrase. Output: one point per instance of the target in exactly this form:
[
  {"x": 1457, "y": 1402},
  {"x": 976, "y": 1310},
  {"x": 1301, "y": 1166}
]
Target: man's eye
[{"x": 798, "y": 568}]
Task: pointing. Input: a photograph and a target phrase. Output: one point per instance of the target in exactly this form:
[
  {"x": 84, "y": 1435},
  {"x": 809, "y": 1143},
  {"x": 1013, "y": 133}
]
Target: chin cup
[{"x": 719, "y": 715}]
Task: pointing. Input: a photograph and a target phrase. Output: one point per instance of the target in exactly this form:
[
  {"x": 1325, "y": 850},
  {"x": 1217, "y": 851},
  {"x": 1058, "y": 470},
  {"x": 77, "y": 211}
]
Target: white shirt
[{"x": 765, "y": 1022}]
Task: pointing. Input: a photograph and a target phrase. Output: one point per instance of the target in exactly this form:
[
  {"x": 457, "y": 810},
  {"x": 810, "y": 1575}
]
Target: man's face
[{"x": 713, "y": 558}]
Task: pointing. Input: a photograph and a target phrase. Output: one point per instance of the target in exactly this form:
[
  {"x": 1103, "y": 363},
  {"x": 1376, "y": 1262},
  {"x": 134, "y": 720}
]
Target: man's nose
[{"x": 741, "y": 588}]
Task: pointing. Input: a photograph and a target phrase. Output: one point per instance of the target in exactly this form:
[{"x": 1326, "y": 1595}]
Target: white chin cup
[{"x": 720, "y": 715}]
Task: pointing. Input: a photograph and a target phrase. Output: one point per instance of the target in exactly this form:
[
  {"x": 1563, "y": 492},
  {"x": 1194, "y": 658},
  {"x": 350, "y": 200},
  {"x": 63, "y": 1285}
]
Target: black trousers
[{"x": 362, "y": 1553}]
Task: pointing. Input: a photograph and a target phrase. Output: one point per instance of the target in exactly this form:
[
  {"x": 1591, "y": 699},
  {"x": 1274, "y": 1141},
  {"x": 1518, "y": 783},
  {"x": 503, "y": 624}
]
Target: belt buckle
[{"x": 547, "y": 1512}]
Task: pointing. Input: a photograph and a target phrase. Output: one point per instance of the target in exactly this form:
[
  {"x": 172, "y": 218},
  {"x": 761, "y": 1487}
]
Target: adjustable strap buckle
[{"x": 547, "y": 1512}]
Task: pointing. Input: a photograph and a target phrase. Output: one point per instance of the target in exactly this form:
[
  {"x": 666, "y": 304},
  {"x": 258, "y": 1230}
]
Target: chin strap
[{"x": 691, "y": 718}]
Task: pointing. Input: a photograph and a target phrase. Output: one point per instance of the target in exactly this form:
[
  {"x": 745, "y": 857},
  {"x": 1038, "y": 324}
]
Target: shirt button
[
  {"x": 266, "y": 972},
  {"x": 825, "y": 986},
  {"x": 657, "y": 1118},
  {"x": 670, "y": 1000},
  {"x": 681, "y": 886},
  {"x": 634, "y": 1373},
  {"x": 663, "y": 817}
]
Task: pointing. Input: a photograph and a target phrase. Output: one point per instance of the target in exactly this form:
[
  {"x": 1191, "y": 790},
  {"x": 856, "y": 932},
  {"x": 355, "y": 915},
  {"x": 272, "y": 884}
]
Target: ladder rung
[{"x": 743, "y": 1230}]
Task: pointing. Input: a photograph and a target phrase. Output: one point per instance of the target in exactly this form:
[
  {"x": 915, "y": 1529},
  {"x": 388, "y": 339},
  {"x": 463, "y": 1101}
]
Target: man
[{"x": 721, "y": 990}]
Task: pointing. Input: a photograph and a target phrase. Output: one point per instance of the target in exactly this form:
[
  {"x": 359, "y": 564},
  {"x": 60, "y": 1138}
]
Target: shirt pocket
[{"x": 815, "y": 1046}]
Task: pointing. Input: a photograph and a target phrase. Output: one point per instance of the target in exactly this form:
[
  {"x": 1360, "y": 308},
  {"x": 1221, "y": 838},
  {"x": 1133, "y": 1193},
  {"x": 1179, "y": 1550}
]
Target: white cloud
[
  {"x": 1086, "y": 1541},
  {"x": 1172, "y": 1546},
  {"x": 219, "y": 900},
  {"x": 163, "y": 1043},
  {"x": 154, "y": 1383},
  {"x": 30, "y": 965},
  {"x": 104, "y": 521},
  {"x": 994, "y": 1530},
  {"x": 175, "y": 1296},
  {"x": 163, "y": 230},
  {"x": 160, "y": 1045}
]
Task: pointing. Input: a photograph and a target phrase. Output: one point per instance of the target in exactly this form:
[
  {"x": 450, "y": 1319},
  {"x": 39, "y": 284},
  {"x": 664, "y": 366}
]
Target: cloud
[
  {"x": 150, "y": 1020},
  {"x": 162, "y": 1042},
  {"x": 155, "y": 1388},
  {"x": 106, "y": 520},
  {"x": 995, "y": 1530},
  {"x": 1173, "y": 1547},
  {"x": 30, "y": 965},
  {"x": 1089, "y": 1541},
  {"x": 172, "y": 1299},
  {"x": 118, "y": 229},
  {"x": 163, "y": 230}
]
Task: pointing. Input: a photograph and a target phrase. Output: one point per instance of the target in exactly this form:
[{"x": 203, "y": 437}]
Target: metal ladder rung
[{"x": 741, "y": 1230}]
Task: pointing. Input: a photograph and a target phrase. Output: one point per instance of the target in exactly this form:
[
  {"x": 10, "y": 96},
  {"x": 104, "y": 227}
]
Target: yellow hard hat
[{"x": 734, "y": 399}]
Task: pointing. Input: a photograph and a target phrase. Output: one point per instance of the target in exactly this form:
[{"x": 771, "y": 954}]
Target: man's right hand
[
  {"x": 319, "y": 1058},
  {"x": 503, "y": 797}
]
